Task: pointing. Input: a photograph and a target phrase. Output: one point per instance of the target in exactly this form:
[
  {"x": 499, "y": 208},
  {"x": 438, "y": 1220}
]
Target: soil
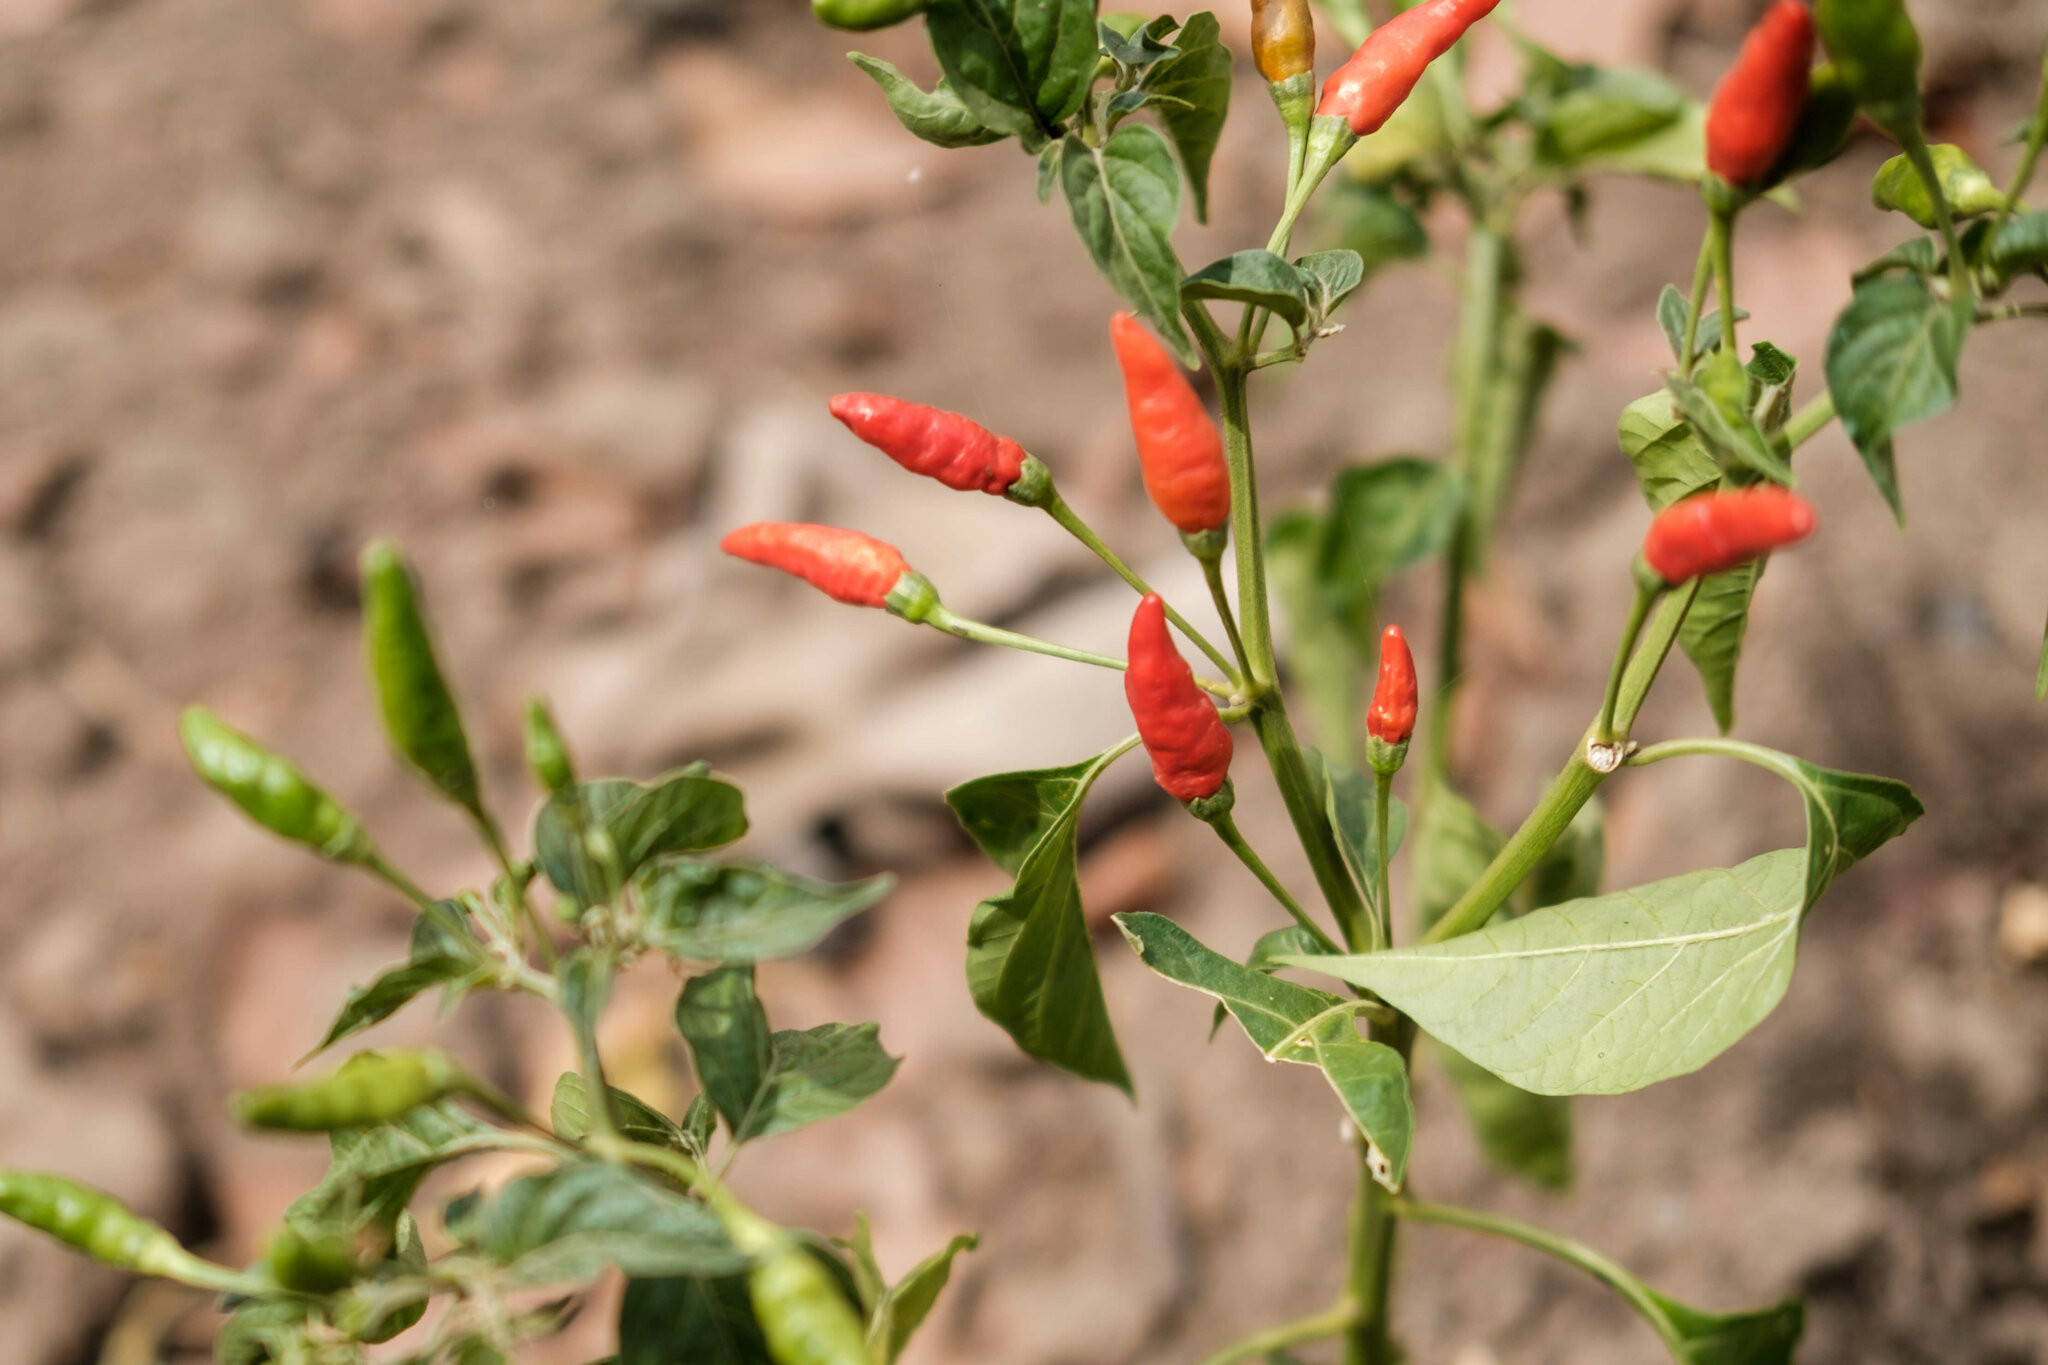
[{"x": 554, "y": 293}]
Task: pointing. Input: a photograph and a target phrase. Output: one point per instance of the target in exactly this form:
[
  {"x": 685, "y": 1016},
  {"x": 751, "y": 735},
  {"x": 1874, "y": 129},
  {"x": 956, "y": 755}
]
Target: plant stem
[
  {"x": 1316, "y": 1327},
  {"x": 1923, "y": 166},
  {"x": 1570, "y": 789},
  {"x": 1070, "y": 520},
  {"x": 387, "y": 872},
  {"x": 1721, "y": 238},
  {"x": 2037, "y": 134},
  {"x": 1226, "y": 830},
  {"x": 1808, "y": 421},
  {"x": 1382, "y": 800},
  {"x": 982, "y": 633},
  {"x": 1563, "y": 1248},
  {"x": 1702, "y": 276},
  {"x": 1212, "y": 571},
  {"x": 1639, "y": 610}
]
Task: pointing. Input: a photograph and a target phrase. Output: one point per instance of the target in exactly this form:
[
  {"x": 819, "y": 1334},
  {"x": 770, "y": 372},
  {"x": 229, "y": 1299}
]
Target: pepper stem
[
  {"x": 1648, "y": 588},
  {"x": 982, "y": 633},
  {"x": 1056, "y": 508},
  {"x": 1382, "y": 800},
  {"x": 1226, "y": 830}
]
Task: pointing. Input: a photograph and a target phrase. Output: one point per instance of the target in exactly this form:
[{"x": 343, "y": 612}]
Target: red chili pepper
[
  {"x": 855, "y": 569},
  {"x": 1757, "y": 106},
  {"x": 1391, "y": 718},
  {"x": 943, "y": 445},
  {"x": 1283, "y": 39},
  {"x": 1713, "y": 532},
  {"x": 1179, "y": 449},
  {"x": 1366, "y": 90},
  {"x": 1189, "y": 744}
]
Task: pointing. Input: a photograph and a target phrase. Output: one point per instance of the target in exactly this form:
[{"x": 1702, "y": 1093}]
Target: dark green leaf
[
  {"x": 591, "y": 837},
  {"x": 2019, "y": 246},
  {"x": 1272, "y": 946},
  {"x": 638, "y": 1121},
  {"x": 1969, "y": 191},
  {"x": 1257, "y": 279},
  {"x": 1767, "y": 1337},
  {"x": 1049, "y": 169},
  {"x": 690, "y": 1322},
  {"x": 1614, "y": 108},
  {"x": 1520, "y": 1133},
  {"x": 581, "y": 1218},
  {"x": 742, "y": 912},
  {"x": 1030, "y": 966},
  {"x": 1196, "y": 86},
  {"x": 374, "y": 1172},
  {"x": 1125, "y": 197},
  {"x": 941, "y": 117},
  {"x": 1672, "y": 311},
  {"x": 1383, "y": 518},
  {"x": 817, "y": 1074},
  {"x": 1140, "y": 48},
  {"x": 1892, "y": 361},
  {"x": 700, "y": 1121},
  {"x": 722, "y": 1020},
  {"x": 391, "y": 992},
  {"x": 1919, "y": 256},
  {"x": 1331, "y": 277},
  {"x": 1453, "y": 845},
  {"x": 1293, "y": 1023},
  {"x": 1008, "y": 814},
  {"x": 1022, "y": 67},
  {"x": 1713, "y": 632}
]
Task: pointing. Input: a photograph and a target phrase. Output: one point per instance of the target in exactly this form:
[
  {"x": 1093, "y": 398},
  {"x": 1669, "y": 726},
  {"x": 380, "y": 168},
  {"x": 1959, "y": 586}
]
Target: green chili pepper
[
  {"x": 804, "y": 1316},
  {"x": 270, "y": 789},
  {"x": 91, "y": 1221},
  {"x": 309, "y": 1264},
  {"x": 368, "y": 1089},
  {"x": 1876, "y": 48},
  {"x": 419, "y": 711},
  {"x": 859, "y": 16},
  {"x": 546, "y": 752}
]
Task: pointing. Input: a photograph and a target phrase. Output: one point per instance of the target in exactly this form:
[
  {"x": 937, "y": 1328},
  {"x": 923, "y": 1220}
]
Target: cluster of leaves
[{"x": 615, "y": 1186}]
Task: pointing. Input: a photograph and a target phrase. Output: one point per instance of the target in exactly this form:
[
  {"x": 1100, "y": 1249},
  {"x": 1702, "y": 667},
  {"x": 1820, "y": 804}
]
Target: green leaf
[
  {"x": 940, "y": 117},
  {"x": 743, "y": 911},
  {"x": 909, "y": 1302},
  {"x": 695, "y": 1320},
  {"x": 1453, "y": 845},
  {"x": 1677, "y": 151},
  {"x": 1713, "y": 631},
  {"x": 818, "y": 1073},
  {"x": 721, "y": 1019},
  {"x": 1672, "y": 311},
  {"x": 1332, "y": 277},
  {"x": 1348, "y": 799},
  {"x": 393, "y": 991},
  {"x": 1196, "y": 85},
  {"x": 1141, "y": 47},
  {"x": 1030, "y": 966},
  {"x": 584, "y": 1217},
  {"x": 1671, "y": 462},
  {"x": 1766, "y": 1337},
  {"x": 1383, "y": 518},
  {"x": 1892, "y": 361},
  {"x": 1293, "y": 1023},
  {"x": 1022, "y": 67},
  {"x": 1008, "y": 814},
  {"x": 1718, "y": 408},
  {"x": 1257, "y": 279},
  {"x": 1614, "y": 108},
  {"x": 1266, "y": 955},
  {"x": 420, "y": 714},
  {"x": 590, "y": 838},
  {"x": 374, "y": 1172},
  {"x": 638, "y": 1121},
  {"x": 1380, "y": 228},
  {"x": 1523, "y": 1134},
  {"x": 2019, "y": 247},
  {"x": 1918, "y": 256},
  {"x": 1969, "y": 191},
  {"x": 1125, "y": 197}
]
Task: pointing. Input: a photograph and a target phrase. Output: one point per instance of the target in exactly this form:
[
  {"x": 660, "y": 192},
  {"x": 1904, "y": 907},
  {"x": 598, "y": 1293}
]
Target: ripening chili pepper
[
  {"x": 368, "y": 1089},
  {"x": 547, "y": 755},
  {"x": 1380, "y": 76},
  {"x": 1391, "y": 717},
  {"x": 1180, "y": 451},
  {"x": 270, "y": 789},
  {"x": 844, "y": 565},
  {"x": 1187, "y": 741},
  {"x": 958, "y": 452},
  {"x": 420, "y": 713},
  {"x": 1711, "y": 533},
  {"x": 1756, "y": 108},
  {"x": 91, "y": 1221},
  {"x": 861, "y": 16},
  {"x": 1877, "y": 49},
  {"x": 1283, "y": 39}
]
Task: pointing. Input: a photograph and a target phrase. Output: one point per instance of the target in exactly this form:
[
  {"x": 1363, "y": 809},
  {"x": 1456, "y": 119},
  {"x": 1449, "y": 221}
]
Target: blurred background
[{"x": 554, "y": 291}]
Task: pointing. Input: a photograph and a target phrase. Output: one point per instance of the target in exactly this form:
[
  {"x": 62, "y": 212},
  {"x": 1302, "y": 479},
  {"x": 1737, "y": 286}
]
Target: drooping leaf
[
  {"x": 2019, "y": 246},
  {"x": 1195, "y": 88},
  {"x": 1266, "y": 955},
  {"x": 742, "y": 911},
  {"x": 1969, "y": 191},
  {"x": 374, "y": 1172},
  {"x": 701, "y": 1321},
  {"x": 583, "y": 1217},
  {"x": 1348, "y": 799},
  {"x": 1293, "y": 1023},
  {"x": 1257, "y": 279},
  {"x": 1030, "y": 965},
  {"x": 1021, "y": 67},
  {"x": 721, "y": 1019},
  {"x": 1713, "y": 631},
  {"x": 1383, "y": 518},
  {"x": 1892, "y": 361},
  {"x": 1125, "y": 197},
  {"x": 393, "y": 991},
  {"x": 1008, "y": 814},
  {"x": 1717, "y": 407},
  {"x": 939, "y": 117}
]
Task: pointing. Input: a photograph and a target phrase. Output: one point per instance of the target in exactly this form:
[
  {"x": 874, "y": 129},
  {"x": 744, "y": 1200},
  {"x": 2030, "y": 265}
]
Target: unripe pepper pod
[
  {"x": 1188, "y": 742},
  {"x": 1756, "y": 108},
  {"x": 368, "y": 1089},
  {"x": 1380, "y": 76},
  {"x": 1180, "y": 452},
  {"x": 420, "y": 713},
  {"x": 958, "y": 452},
  {"x": 844, "y": 565},
  {"x": 91, "y": 1221},
  {"x": 1711, "y": 533},
  {"x": 1283, "y": 39},
  {"x": 270, "y": 789}
]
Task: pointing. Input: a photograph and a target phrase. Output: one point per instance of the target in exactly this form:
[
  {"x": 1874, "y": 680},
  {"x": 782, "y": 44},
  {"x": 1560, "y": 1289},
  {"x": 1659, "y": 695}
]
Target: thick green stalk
[
  {"x": 1259, "y": 1345},
  {"x": 1375, "y": 1219},
  {"x": 1702, "y": 277},
  {"x": 1721, "y": 238}
]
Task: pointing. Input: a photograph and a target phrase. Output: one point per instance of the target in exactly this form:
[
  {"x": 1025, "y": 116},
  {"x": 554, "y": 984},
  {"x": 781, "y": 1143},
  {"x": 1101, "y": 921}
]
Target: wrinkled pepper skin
[
  {"x": 368, "y": 1089},
  {"x": 1188, "y": 742},
  {"x": 941, "y": 445},
  {"x": 88, "y": 1220},
  {"x": 270, "y": 789},
  {"x": 1755, "y": 110},
  {"x": 863, "y": 16},
  {"x": 1876, "y": 48},
  {"x": 1391, "y": 717},
  {"x": 1380, "y": 76},
  {"x": 419, "y": 710},
  {"x": 1711, "y": 533},
  {"x": 844, "y": 565},
  {"x": 1180, "y": 452},
  {"x": 1283, "y": 39}
]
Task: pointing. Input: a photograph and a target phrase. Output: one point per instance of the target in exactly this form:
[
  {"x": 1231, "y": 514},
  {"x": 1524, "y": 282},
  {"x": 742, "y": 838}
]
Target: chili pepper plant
[{"x": 1507, "y": 969}]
